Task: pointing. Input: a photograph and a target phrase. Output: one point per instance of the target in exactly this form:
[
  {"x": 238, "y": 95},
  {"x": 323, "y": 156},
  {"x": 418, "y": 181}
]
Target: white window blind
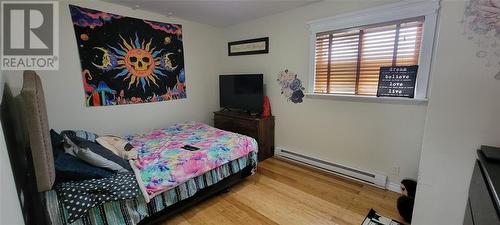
[{"x": 348, "y": 61}]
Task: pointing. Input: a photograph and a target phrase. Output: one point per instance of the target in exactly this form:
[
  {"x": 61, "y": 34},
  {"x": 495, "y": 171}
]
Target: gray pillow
[
  {"x": 89, "y": 136},
  {"x": 94, "y": 154}
]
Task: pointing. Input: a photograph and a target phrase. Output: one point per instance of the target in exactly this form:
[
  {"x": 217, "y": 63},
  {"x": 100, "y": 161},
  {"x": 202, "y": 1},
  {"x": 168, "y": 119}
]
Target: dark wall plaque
[{"x": 397, "y": 81}]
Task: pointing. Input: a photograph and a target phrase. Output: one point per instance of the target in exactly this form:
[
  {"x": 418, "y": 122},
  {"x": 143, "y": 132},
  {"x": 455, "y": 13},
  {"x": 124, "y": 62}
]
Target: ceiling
[{"x": 219, "y": 13}]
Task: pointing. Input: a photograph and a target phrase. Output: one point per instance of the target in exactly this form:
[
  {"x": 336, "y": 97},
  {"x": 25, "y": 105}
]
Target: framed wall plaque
[
  {"x": 397, "y": 81},
  {"x": 248, "y": 47}
]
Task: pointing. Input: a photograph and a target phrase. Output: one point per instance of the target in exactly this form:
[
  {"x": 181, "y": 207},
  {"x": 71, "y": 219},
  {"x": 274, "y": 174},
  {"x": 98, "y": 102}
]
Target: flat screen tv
[{"x": 243, "y": 92}]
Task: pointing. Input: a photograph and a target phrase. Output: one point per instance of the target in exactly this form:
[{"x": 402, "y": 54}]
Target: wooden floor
[{"x": 286, "y": 193}]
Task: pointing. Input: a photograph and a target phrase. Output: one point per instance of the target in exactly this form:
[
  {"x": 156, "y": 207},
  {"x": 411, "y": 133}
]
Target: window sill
[{"x": 361, "y": 98}]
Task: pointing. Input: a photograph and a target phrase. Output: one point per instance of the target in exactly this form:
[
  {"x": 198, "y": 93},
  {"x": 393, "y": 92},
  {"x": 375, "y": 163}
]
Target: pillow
[
  {"x": 70, "y": 168},
  {"x": 89, "y": 136},
  {"x": 57, "y": 143},
  {"x": 119, "y": 146},
  {"x": 94, "y": 154}
]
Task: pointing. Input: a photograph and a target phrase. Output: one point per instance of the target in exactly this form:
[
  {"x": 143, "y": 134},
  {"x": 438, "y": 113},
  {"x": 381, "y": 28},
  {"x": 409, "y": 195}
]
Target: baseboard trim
[
  {"x": 390, "y": 186},
  {"x": 393, "y": 187},
  {"x": 314, "y": 167},
  {"x": 371, "y": 177},
  {"x": 339, "y": 170}
]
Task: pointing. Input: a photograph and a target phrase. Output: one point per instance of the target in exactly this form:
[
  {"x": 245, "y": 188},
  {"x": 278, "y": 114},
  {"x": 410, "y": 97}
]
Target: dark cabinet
[
  {"x": 468, "y": 215},
  {"x": 262, "y": 129},
  {"x": 483, "y": 204}
]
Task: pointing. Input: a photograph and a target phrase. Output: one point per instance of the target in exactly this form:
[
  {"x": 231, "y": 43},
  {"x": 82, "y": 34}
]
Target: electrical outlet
[{"x": 395, "y": 170}]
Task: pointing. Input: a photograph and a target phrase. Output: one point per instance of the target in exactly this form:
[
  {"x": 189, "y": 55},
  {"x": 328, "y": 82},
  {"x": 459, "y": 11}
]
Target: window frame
[{"x": 378, "y": 15}]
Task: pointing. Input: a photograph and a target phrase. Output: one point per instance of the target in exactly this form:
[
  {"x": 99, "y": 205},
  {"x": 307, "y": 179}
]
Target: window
[
  {"x": 348, "y": 62},
  {"x": 347, "y": 56}
]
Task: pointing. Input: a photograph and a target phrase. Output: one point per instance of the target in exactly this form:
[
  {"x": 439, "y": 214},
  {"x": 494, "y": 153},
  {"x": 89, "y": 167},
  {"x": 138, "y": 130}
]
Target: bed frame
[{"x": 22, "y": 159}]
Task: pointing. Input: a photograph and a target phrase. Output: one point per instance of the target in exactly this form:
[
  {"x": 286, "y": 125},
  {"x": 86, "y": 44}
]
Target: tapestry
[
  {"x": 127, "y": 60},
  {"x": 291, "y": 86}
]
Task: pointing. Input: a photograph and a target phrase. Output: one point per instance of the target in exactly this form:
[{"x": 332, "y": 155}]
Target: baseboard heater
[{"x": 378, "y": 180}]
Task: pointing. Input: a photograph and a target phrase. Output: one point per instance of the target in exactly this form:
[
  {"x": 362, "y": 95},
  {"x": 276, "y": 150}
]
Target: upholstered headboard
[
  {"x": 31, "y": 167},
  {"x": 38, "y": 130}
]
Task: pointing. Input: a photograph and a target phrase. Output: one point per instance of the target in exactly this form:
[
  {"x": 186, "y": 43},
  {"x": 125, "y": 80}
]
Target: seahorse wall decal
[
  {"x": 481, "y": 23},
  {"x": 291, "y": 86}
]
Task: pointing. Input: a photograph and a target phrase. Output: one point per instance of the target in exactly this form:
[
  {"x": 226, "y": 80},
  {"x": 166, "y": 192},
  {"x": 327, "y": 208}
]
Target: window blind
[{"x": 349, "y": 61}]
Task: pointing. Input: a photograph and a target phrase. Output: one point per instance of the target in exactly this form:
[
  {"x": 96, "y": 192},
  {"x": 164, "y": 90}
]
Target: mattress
[
  {"x": 172, "y": 164},
  {"x": 171, "y": 156},
  {"x": 132, "y": 211}
]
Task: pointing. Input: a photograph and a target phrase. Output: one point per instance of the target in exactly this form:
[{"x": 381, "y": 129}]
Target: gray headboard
[{"x": 38, "y": 130}]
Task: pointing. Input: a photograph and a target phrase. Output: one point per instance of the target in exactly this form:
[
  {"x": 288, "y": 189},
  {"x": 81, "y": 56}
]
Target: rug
[{"x": 373, "y": 218}]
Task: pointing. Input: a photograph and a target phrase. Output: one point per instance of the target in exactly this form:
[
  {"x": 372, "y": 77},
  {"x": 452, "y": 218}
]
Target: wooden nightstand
[{"x": 262, "y": 129}]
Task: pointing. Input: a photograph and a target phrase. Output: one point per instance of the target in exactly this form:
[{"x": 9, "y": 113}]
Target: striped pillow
[
  {"x": 94, "y": 154},
  {"x": 89, "y": 136}
]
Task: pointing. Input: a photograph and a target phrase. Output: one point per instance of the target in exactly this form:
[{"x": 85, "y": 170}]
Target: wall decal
[
  {"x": 481, "y": 22},
  {"x": 127, "y": 60},
  {"x": 291, "y": 86}
]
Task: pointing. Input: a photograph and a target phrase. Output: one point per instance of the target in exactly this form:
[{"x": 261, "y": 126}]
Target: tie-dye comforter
[{"x": 163, "y": 164}]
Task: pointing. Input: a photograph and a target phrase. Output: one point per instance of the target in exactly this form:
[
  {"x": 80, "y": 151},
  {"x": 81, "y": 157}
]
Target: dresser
[
  {"x": 483, "y": 205},
  {"x": 262, "y": 129}
]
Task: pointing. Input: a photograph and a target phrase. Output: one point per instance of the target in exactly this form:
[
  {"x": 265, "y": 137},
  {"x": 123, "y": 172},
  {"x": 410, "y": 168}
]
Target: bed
[{"x": 170, "y": 178}]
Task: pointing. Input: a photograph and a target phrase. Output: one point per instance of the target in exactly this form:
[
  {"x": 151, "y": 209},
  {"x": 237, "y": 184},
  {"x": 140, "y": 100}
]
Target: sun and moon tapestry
[{"x": 127, "y": 60}]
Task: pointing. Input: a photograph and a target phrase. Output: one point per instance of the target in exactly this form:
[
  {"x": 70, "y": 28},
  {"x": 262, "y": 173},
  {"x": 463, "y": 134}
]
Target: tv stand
[
  {"x": 262, "y": 129},
  {"x": 243, "y": 112}
]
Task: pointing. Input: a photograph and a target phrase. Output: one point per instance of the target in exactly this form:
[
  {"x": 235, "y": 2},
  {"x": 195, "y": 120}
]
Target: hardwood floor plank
[
  {"x": 178, "y": 220},
  {"x": 315, "y": 172},
  {"x": 334, "y": 180},
  {"x": 286, "y": 193},
  {"x": 260, "y": 219},
  {"x": 324, "y": 192},
  {"x": 280, "y": 208},
  {"x": 206, "y": 214},
  {"x": 313, "y": 185},
  {"x": 330, "y": 210}
]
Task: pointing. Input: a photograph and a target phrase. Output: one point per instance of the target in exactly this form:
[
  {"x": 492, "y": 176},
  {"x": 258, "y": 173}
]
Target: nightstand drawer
[{"x": 261, "y": 129}]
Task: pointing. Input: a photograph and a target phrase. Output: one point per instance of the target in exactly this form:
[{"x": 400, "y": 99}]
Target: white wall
[
  {"x": 65, "y": 96},
  {"x": 64, "y": 88},
  {"x": 10, "y": 209},
  {"x": 365, "y": 135},
  {"x": 463, "y": 113}
]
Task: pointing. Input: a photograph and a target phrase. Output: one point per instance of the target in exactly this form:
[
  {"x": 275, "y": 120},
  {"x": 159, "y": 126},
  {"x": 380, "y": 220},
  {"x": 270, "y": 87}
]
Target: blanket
[
  {"x": 171, "y": 156},
  {"x": 78, "y": 197}
]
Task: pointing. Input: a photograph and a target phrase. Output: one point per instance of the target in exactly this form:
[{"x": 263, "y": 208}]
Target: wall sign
[
  {"x": 248, "y": 47},
  {"x": 397, "y": 81}
]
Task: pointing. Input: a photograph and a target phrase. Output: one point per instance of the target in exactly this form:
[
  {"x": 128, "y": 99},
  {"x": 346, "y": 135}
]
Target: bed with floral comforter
[{"x": 164, "y": 160}]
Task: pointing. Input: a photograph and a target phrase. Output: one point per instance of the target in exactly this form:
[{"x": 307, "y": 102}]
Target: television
[{"x": 243, "y": 92}]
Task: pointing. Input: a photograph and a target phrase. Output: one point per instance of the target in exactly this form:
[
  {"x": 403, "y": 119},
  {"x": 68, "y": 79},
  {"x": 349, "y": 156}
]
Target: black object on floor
[
  {"x": 373, "y": 218},
  {"x": 405, "y": 207}
]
